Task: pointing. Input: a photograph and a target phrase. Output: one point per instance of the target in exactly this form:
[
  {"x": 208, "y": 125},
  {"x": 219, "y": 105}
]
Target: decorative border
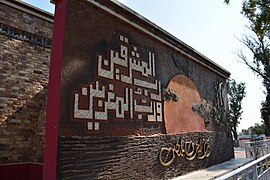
[{"x": 25, "y": 36}]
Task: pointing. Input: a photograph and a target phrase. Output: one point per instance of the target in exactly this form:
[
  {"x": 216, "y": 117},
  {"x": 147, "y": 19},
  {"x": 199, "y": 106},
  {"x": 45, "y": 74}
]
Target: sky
[{"x": 210, "y": 27}]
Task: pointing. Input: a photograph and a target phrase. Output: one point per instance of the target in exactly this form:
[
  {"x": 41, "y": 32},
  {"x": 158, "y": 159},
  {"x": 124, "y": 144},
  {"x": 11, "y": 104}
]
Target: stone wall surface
[
  {"x": 24, "y": 71},
  {"x": 134, "y": 157}
]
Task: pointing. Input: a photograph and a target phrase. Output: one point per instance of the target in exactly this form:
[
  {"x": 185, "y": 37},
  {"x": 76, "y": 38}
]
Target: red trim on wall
[{"x": 53, "y": 104}]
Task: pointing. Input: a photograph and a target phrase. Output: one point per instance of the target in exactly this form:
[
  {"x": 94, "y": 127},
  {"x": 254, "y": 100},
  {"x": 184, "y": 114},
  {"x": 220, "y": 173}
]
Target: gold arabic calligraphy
[{"x": 188, "y": 150}]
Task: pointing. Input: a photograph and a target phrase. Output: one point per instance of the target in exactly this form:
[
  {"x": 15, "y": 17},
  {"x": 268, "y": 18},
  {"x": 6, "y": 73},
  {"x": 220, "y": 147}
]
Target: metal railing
[
  {"x": 257, "y": 149},
  {"x": 255, "y": 170}
]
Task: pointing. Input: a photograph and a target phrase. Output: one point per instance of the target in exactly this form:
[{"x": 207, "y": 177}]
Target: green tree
[
  {"x": 258, "y": 128},
  {"x": 258, "y": 14},
  {"x": 236, "y": 93},
  {"x": 227, "y": 1}
]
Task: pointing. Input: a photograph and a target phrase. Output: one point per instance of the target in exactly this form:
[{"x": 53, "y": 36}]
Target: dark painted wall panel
[{"x": 109, "y": 67}]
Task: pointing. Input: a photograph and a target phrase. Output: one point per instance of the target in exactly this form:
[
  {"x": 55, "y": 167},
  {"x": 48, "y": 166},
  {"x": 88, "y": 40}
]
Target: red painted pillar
[{"x": 53, "y": 104}]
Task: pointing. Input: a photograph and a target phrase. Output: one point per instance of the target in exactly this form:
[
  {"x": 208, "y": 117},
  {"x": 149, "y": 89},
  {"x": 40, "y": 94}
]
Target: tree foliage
[
  {"x": 227, "y": 1},
  {"x": 258, "y": 14},
  {"x": 258, "y": 128},
  {"x": 236, "y": 94}
]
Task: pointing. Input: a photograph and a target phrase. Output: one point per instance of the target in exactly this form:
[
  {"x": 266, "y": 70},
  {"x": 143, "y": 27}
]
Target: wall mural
[
  {"x": 125, "y": 88},
  {"x": 213, "y": 111},
  {"x": 205, "y": 110},
  {"x": 188, "y": 150},
  {"x": 130, "y": 92},
  {"x": 179, "y": 116}
]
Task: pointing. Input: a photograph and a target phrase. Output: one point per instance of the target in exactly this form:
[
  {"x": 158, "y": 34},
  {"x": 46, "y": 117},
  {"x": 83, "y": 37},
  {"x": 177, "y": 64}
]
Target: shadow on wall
[{"x": 22, "y": 133}]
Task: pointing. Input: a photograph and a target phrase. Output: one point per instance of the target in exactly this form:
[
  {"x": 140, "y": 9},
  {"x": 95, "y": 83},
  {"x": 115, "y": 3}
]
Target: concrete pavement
[
  {"x": 239, "y": 153},
  {"x": 219, "y": 169}
]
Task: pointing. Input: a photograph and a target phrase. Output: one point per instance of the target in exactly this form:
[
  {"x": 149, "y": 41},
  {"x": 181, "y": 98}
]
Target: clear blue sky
[{"x": 212, "y": 28}]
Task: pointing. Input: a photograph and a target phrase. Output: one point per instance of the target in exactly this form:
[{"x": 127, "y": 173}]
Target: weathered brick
[{"x": 24, "y": 72}]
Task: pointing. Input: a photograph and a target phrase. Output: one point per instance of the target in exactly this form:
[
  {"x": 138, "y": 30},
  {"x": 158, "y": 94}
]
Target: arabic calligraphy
[
  {"x": 125, "y": 88},
  {"x": 188, "y": 150}
]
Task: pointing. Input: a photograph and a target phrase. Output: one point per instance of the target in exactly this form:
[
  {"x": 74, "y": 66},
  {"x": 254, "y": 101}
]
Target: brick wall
[{"x": 24, "y": 67}]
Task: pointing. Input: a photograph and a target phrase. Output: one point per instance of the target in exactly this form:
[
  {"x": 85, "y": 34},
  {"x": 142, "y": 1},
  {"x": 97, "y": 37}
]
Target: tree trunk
[
  {"x": 265, "y": 113},
  {"x": 235, "y": 135}
]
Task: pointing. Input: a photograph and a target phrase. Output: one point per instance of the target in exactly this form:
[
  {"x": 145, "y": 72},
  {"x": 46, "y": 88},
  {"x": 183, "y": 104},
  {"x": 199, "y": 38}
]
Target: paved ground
[
  {"x": 239, "y": 153},
  {"x": 219, "y": 169}
]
